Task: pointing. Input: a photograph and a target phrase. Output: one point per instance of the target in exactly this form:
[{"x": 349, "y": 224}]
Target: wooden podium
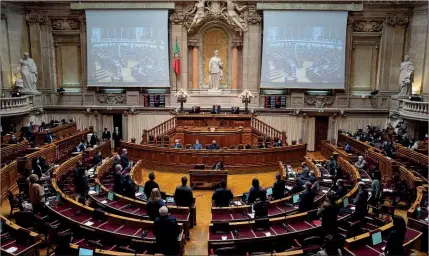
[{"x": 206, "y": 179}]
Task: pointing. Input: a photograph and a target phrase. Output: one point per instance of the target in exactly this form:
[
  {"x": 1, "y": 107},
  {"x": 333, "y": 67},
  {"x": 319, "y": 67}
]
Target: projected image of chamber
[
  {"x": 304, "y": 49},
  {"x": 128, "y": 48}
]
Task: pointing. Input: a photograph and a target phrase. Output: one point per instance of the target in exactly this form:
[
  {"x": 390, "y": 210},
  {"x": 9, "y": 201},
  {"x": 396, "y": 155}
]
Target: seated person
[
  {"x": 166, "y": 231},
  {"x": 306, "y": 201},
  {"x": 361, "y": 163},
  {"x": 279, "y": 187},
  {"x": 305, "y": 171},
  {"x": 278, "y": 143},
  {"x": 312, "y": 177},
  {"x": 12, "y": 140},
  {"x": 80, "y": 147},
  {"x": 254, "y": 191},
  {"x": 348, "y": 148},
  {"x": 260, "y": 207},
  {"x": 330, "y": 247},
  {"x": 214, "y": 145},
  {"x": 116, "y": 160},
  {"x": 197, "y": 145},
  {"x": 183, "y": 195},
  {"x": 331, "y": 166},
  {"x": 154, "y": 203},
  {"x": 48, "y": 137},
  {"x": 150, "y": 185},
  {"x": 222, "y": 196},
  {"x": 339, "y": 189},
  {"x": 216, "y": 109},
  {"x": 125, "y": 163},
  {"x": 218, "y": 166},
  {"x": 177, "y": 144},
  {"x": 97, "y": 158},
  {"x": 297, "y": 187}
]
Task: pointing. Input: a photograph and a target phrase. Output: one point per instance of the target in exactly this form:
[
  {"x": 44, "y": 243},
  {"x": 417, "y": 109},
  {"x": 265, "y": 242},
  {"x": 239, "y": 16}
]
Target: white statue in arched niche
[
  {"x": 28, "y": 70},
  {"x": 216, "y": 71},
  {"x": 406, "y": 76}
]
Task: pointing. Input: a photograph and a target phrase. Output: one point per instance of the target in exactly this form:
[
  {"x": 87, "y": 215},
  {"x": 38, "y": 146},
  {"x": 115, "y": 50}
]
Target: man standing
[
  {"x": 117, "y": 137},
  {"x": 150, "y": 184},
  {"x": 37, "y": 194},
  {"x": 279, "y": 187},
  {"x": 166, "y": 231},
  {"x": 183, "y": 195},
  {"x": 106, "y": 134}
]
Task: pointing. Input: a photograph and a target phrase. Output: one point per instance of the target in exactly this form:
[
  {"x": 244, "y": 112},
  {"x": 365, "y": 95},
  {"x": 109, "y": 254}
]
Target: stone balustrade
[
  {"x": 16, "y": 105},
  {"x": 414, "y": 109}
]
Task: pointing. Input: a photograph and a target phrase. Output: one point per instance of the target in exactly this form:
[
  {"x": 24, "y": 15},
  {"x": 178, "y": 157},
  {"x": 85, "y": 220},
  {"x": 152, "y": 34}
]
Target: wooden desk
[
  {"x": 206, "y": 178},
  {"x": 59, "y": 131},
  {"x": 358, "y": 147},
  {"x": 233, "y": 159},
  {"x": 31, "y": 239},
  {"x": 213, "y": 120},
  {"x": 328, "y": 150}
]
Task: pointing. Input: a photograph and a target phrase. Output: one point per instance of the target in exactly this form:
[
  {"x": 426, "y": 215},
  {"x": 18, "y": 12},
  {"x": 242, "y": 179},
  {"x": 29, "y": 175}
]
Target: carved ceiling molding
[
  {"x": 319, "y": 101},
  {"x": 37, "y": 17},
  {"x": 112, "y": 99},
  {"x": 367, "y": 26},
  {"x": 65, "y": 24},
  {"x": 400, "y": 19},
  {"x": 214, "y": 11}
]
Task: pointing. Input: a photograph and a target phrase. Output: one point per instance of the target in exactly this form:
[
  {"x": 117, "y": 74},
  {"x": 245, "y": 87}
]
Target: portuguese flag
[{"x": 176, "y": 61}]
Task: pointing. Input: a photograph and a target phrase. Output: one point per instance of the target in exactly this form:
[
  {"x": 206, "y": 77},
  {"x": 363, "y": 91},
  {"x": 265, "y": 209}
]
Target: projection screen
[
  {"x": 304, "y": 49},
  {"x": 127, "y": 48}
]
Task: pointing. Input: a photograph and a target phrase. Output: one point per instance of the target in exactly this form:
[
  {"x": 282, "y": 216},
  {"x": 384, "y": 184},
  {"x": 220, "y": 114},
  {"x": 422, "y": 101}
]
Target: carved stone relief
[
  {"x": 367, "y": 26},
  {"x": 112, "y": 99},
  {"x": 319, "y": 101},
  {"x": 36, "y": 17},
  {"x": 253, "y": 17},
  {"x": 65, "y": 24},
  {"x": 203, "y": 10},
  {"x": 400, "y": 19}
]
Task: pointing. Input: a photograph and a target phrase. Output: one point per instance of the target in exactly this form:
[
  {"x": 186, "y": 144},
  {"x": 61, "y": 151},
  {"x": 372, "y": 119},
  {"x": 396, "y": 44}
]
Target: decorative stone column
[
  {"x": 35, "y": 20},
  {"x": 235, "y": 46},
  {"x": 195, "y": 66},
  {"x": 83, "y": 54},
  {"x": 252, "y": 43},
  {"x": 179, "y": 32}
]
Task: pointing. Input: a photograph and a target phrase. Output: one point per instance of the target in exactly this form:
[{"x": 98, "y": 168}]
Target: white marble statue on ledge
[
  {"x": 216, "y": 72},
  {"x": 406, "y": 77},
  {"x": 28, "y": 70}
]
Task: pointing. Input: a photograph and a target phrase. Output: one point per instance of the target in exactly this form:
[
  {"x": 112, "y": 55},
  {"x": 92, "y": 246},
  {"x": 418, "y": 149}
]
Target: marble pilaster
[
  {"x": 195, "y": 68},
  {"x": 234, "y": 84}
]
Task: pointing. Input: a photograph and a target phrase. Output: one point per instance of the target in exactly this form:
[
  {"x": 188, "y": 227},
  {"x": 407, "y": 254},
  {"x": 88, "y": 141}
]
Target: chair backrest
[
  {"x": 233, "y": 147},
  {"x": 268, "y": 139},
  {"x": 225, "y": 251},
  {"x": 208, "y": 146},
  {"x": 188, "y": 146},
  {"x": 248, "y": 146},
  {"x": 240, "y": 146},
  {"x": 11, "y": 198},
  {"x": 260, "y": 139}
]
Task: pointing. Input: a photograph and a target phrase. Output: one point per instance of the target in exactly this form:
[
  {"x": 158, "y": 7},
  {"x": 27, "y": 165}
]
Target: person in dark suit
[
  {"x": 329, "y": 213},
  {"x": 312, "y": 177},
  {"x": 222, "y": 196},
  {"x": 125, "y": 163},
  {"x": 177, "y": 144},
  {"x": 361, "y": 203},
  {"x": 218, "y": 166},
  {"x": 331, "y": 165},
  {"x": 97, "y": 158},
  {"x": 395, "y": 240},
  {"x": 106, "y": 134},
  {"x": 339, "y": 189},
  {"x": 48, "y": 137},
  {"x": 117, "y": 137},
  {"x": 93, "y": 140},
  {"x": 166, "y": 231},
  {"x": 197, "y": 145},
  {"x": 129, "y": 186},
  {"x": 150, "y": 185},
  {"x": 260, "y": 207},
  {"x": 297, "y": 187},
  {"x": 43, "y": 164},
  {"x": 12, "y": 140},
  {"x": 306, "y": 201},
  {"x": 36, "y": 168},
  {"x": 81, "y": 184},
  {"x": 254, "y": 191},
  {"x": 216, "y": 109},
  {"x": 278, "y": 143},
  {"x": 183, "y": 195},
  {"x": 118, "y": 179},
  {"x": 116, "y": 161},
  {"x": 279, "y": 187},
  {"x": 154, "y": 203},
  {"x": 214, "y": 146}
]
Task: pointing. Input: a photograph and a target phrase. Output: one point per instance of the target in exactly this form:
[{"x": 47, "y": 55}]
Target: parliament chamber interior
[{"x": 221, "y": 127}]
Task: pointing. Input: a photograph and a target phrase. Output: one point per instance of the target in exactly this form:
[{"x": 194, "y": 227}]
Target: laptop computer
[
  {"x": 376, "y": 238},
  {"x": 295, "y": 198},
  {"x": 85, "y": 252},
  {"x": 110, "y": 196},
  {"x": 245, "y": 197},
  {"x": 269, "y": 191}
]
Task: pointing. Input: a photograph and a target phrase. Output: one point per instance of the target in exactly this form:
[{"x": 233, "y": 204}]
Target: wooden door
[{"x": 321, "y": 131}]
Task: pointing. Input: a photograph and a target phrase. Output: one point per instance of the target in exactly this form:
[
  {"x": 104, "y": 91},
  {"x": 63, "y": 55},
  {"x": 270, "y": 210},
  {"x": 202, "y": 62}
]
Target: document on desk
[
  {"x": 92, "y": 192},
  {"x": 251, "y": 215},
  {"x": 89, "y": 223},
  {"x": 104, "y": 202},
  {"x": 11, "y": 249},
  {"x": 238, "y": 203},
  {"x": 138, "y": 194},
  {"x": 224, "y": 238},
  {"x": 268, "y": 233}
]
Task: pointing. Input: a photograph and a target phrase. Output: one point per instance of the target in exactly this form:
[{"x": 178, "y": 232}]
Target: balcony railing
[
  {"x": 10, "y": 106},
  {"x": 414, "y": 109}
]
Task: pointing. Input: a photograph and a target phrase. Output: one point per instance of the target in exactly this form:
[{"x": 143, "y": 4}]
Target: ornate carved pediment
[
  {"x": 400, "y": 19},
  {"x": 253, "y": 17},
  {"x": 65, "y": 24},
  {"x": 112, "y": 99},
  {"x": 203, "y": 11},
  {"x": 36, "y": 17},
  {"x": 367, "y": 26},
  {"x": 319, "y": 101}
]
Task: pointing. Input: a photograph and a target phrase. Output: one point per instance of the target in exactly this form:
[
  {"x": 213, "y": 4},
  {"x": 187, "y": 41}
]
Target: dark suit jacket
[
  {"x": 261, "y": 208},
  {"x": 214, "y": 146},
  {"x": 118, "y": 181},
  {"x": 12, "y": 141},
  {"x": 279, "y": 189},
  {"x": 183, "y": 196},
  {"x": 253, "y": 194},
  {"x": 329, "y": 213},
  {"x": 124, "y": 161},
  {"x": 361, "y": 203},
  {"x": 394, "y": 245},
  {"x": 97, "y": 159},
  {"x": 117, "y": 137},
  {"x": 306, "y": 201},
  {"x": 48, "y": 138},
  {"x": 222, "y": 196},
  {"x": 106, "y": 135},
  {"x": 177, "y": 146},
  {"x": 153, "y": 208},
  {"x": 148, "y": 186},
  {"x": 166, "y": 231}
]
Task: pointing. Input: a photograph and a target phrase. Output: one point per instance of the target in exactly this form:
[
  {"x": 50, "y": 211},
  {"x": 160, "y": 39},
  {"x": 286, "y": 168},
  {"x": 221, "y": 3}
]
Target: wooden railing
[
  {"x": 160, "y": 129},
  {"x": 415, "y": 109},
  {"x": 267, "y": 130},
  {"x": 15, "y": 105},
  {"x": 10, "y": 152}
]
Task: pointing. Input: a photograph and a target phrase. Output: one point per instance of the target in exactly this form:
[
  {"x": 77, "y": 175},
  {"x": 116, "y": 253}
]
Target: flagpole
[{"x": 177, "y": 78}]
